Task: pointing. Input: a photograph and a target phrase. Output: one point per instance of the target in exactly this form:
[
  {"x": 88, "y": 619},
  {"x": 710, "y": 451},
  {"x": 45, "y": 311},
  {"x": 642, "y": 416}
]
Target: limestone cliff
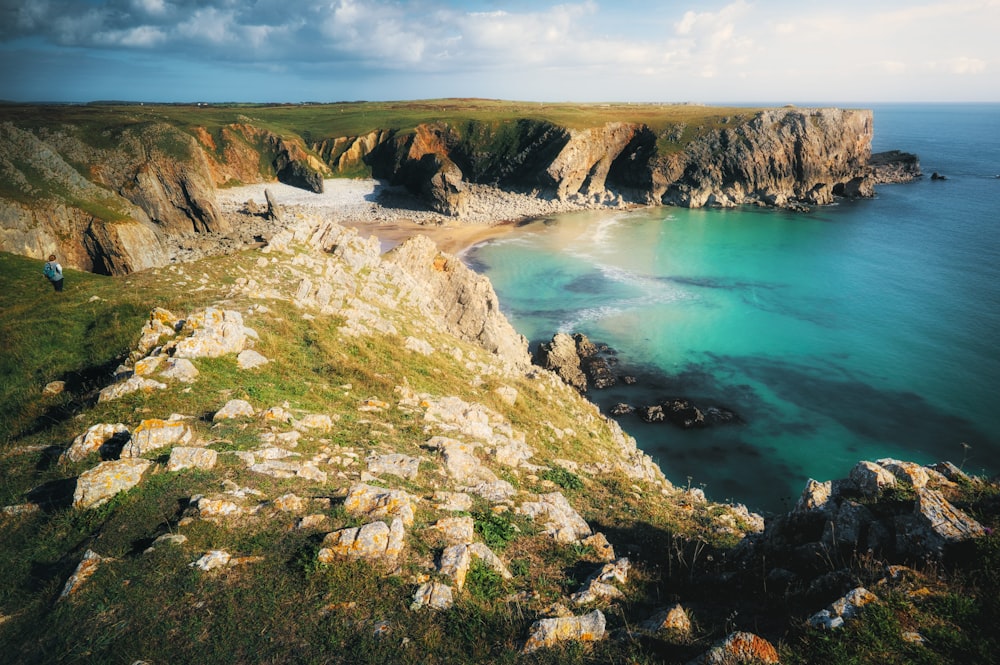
[{"x": 107, "y": 188}]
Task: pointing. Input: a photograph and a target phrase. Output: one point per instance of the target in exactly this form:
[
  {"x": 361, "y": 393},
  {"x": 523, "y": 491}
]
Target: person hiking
[{"x": 54, "y": 272}]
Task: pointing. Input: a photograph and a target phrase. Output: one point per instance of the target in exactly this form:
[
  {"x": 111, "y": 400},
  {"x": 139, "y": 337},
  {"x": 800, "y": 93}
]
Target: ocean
[{"x": 861, "y": 330}]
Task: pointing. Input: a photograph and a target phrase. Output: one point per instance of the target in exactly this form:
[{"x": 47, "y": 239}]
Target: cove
[{"x": 861, "y": 330}]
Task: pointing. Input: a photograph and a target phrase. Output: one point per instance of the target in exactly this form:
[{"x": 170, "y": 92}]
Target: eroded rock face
[
  {"x": 464, "y": 300},
  {"x": 560, "y": 356}
]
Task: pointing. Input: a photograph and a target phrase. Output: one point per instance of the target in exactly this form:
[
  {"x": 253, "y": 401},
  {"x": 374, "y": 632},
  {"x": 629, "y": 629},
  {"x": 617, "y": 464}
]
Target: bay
[{"x": 862, "y": 330}]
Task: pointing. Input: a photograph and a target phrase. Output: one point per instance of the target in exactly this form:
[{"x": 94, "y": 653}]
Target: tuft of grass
[{"x": 563, "y": 478}]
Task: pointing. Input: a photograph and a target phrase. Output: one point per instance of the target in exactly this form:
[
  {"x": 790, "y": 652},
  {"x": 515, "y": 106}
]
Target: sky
[{"x": 780, "y": 51}]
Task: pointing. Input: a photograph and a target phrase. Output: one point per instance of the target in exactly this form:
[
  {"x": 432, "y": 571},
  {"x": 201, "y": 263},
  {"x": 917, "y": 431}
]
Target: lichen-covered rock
[
  {"x": 212, "y": 560},
  {"x": 92, "y": 440},
  {"x": 184, "y": 457},
  {"x": 250, "y": 359},
  {"x": 936, "y": 524},
  {"x": 96, "y": 486},
  {"x": 456, "y": 530},
  {"x": 179, "y": 369},
  {"x": 560, "y": 520},
  {"x": 550, "y": 632},
  {"x": 815, "y": 496},
  {"x": 672, "y": 622},
  {"x": 131, "y": 385},
  {"x": 234, "y": 408},
  {"x": 739, "y": 648},
  {"x": 870, "y": 478},
  {"x": 374, "y": 541},
  {"x": 907, "y": 473},
  {"x": 84, "y": 570},
  {"x": 842, "y": 609},
  {"x": 154, "y": 434},
  {"x": 435, "y": 595},
  {"x": 211, "y": 333},
  {"x": 378, "y": 502},
  {"x": 396, "y": 464}
]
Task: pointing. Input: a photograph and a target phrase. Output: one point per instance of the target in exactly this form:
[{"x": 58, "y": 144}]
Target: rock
[
  {"x": 212, "y": 560},
  {"x": 622, "y": 409},
  {"x": 460, "y": 462},
  {"x": 418, "y": 346},
  {"x": 147, "y": 366},
  {"x": 435, "y": 595},
  {"x": 93, "y": 439},
  {"x": 457, "y": 559},
  {"x": 250, "y": 359},
  {"x": 843, "y": 609},
  {"x": 673, "y": 623},
  {"x": 217, "y": 508},
  {"x": 234, "y": 408},
  {"x": 167, "y": 539},
  {"x": 276, "y": 414},
  {"x": 507, "y": 394},
  {"x": 603, "y": 551},
  {"x": 561, "y": 521},
  {"x": 462, "y": 301},
  {"x": 290, "y": 503},
  {"x": 154, "y": 434},
  {"x": 870, "y": 479},
  {"x": 179, "y": 369},
  {"x": 598, "y": 371},
  {"x": 561, "y": 357},
  {"x": 894, "y": 166},
  {"x": 53, "y": 388},
  {"x": 454, "y": 501},
  {"x": 211, "y": 333},
  {"x": 456, "y": 530},
  {"x": 84, "y": 570},
  {"x": 99, "y": 484},
  {"x": 377, "y": 502},
  {"x": 315, "y": 421},
  {"x": 375, "y": 542},
  {"x": 550, "y": 632},
  {"x": 936, "y": 525},
  {"x": 815, "y": 496},
  {"x": 938, "y": 176},
  {"x": 739, "y": 648},
  {"x": 129, "y": 386},
  {"x": 191, "y": 458},
  {"x": 594, "y": 591},
  {"x": 908, "y": 473}
]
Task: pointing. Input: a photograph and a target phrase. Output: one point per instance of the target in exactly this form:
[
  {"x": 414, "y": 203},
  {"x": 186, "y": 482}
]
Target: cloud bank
[{"x": 588, "y": 50}]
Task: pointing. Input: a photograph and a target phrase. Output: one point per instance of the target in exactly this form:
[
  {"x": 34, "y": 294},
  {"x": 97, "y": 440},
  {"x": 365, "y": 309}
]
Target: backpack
[{"x": 50, "y": 271}]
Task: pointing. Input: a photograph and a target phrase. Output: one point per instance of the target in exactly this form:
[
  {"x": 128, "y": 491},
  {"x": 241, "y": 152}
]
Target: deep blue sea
[{"x": 861, "y": 330}]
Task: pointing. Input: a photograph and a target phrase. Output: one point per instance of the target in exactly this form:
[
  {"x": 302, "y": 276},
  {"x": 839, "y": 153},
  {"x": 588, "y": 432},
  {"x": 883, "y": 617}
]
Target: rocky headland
[{"x": 118, "y": 189}]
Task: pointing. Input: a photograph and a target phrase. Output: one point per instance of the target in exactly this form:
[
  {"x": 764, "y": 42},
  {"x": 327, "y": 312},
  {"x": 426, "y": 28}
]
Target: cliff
[{"x": 107, "y": 188}]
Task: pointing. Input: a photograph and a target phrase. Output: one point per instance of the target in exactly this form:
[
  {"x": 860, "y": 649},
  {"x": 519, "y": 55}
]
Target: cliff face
[
  {"x": 782, "y": 157},
  {"x": 106, "y": 197}
]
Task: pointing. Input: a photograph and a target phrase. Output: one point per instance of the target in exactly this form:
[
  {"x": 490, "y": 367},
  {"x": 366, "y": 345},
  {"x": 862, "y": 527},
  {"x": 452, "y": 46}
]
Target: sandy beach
[{"x": 393, "y": 214}]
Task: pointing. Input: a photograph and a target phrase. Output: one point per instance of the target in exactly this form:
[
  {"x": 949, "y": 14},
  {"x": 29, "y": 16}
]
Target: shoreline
[{"x": 392, "y": 214}]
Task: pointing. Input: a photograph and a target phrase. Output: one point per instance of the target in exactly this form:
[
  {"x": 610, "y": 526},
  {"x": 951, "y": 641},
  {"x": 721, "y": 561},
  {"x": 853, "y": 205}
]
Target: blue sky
[{"x": 592, "y": 50}]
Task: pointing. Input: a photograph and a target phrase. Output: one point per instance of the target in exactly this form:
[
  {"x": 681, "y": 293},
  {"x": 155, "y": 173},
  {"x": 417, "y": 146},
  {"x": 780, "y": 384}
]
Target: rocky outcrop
[
  {"x": 465, "y": 301},
  {"x": 781, "y": 157},
  {"x": 894, "y": 166}
]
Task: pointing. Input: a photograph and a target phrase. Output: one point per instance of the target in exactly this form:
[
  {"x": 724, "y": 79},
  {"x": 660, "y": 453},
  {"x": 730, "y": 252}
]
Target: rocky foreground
[{"x": 468, "y": 464}]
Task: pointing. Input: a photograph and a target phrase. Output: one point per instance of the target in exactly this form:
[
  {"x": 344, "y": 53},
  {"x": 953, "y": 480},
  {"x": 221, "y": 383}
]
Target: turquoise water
[{"x": 861, "y": 330}]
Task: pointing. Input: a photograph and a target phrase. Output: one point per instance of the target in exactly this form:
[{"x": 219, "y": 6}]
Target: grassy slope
[{"x": 154, "y": 606}]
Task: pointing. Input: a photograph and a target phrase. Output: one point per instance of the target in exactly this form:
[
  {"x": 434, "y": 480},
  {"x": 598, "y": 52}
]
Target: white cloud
[{"x": 151, "y": 7}]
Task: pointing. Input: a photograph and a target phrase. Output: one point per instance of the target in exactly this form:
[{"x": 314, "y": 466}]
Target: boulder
[
  {"x": 179, "y": 369},
  {"x": 870, "y": 479},
  {"x": 211, "y": 333},
  {"x": 376, "y": 542},
  {"x": 560, "y": 520},
  {"x": 739, "y": 648},
  {"x": 154, "y": 434},
  {"x": 673, "y": 622},
  {"x": 435, "y": 595},
  {"x": 131, "y": 385},
  {"x": 93, "y": 439},
  {"x": 560, "y": 356},
  {"x": 250, "y": 359},
  {"x": 98, "y": 485},
  {"x": 551, "y": 632},
  {"x": 843, "y": 609},
  {"x": 84, "y": 570},
  {"x": 234, "y": 408},
  {"x": 378, "y": 502},
  {"x": 191, "y": 458}
]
